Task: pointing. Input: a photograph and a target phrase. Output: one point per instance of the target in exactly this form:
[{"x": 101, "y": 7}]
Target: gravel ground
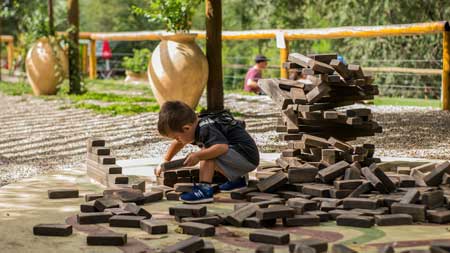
[{"x": 36, "y": 136}]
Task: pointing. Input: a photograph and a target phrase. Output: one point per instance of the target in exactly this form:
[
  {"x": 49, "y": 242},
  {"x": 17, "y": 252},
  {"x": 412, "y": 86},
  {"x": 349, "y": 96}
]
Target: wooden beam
[
  {"x": 92, "y": 60},
  {"x": 445, "y": 90},
  {"x": 74, "y": 51},
  {"x": 10, "y": 54},
  {"x": 214, "y": 54}
]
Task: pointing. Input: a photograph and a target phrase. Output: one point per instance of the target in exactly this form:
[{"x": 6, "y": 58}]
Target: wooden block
[
  {"x": 300, "y": 59},
  {"x": 236, "y": 218},
  {"x": 118, "y": 211},
  {"x": 316, "y": 190},
  {"x": 183, "y": 187},
  {"x": 208, "y": 248},
  {"x": 385, "y": 180},
  {"x": 279, "y": 96},
  {"x": 446, "y": 179},
  {"x": 359, "y": 112},
  {"x": 330, "y": 156},
  {"x": 363, "y": 188},
  {"x": 136, "y": 210},
  {"x": 298, "y": 96},
  {"x": 338, "y": 212},
  {"x": 352, "y": 173},
  {"x": 434, "y": 178},
  {"x": 198, "y": 229},
  {"x": 265, "y": 248},
  {"x": 340, "y": 145},
  {"x": 88, "y": 207},
  {"x": 94, "y": 218},
  {"x": 427, "y": 167},
  {"x": 406, "y": 181},
  {"x": 438, "y": 216},
  {"x": 355, "y": 221},
  {"x": 348, "y": 184},
  {"x": 172, "y": 165},
  {"x": 393, "y": 219},
  {"x": 356, "y": 71},
  {"x": 62, "y": 193},
  {"x": 242, "y": 192},
  {"x": 302, "y": 205},
  {"x": 351, "y": 203},
  {"x": 129, "y": 221},
  {"x": 339, "y": 194},
  {"x": 330, "y": 115},
  {"x": 153, "y": 227},
  {"x": 107, "y": 239},
  {"x": 317, "y": 93},
  {"x": 291, "y": 119},
  {"x": 52, "y": 229},
  {"x": 305, "y": 174},
  {"x": 95, "y": 142},
  {"x": 410, "y": 197},
  {"x": 269, "y": 236},
  {"x": 433, "y": 199},
  {"x": 129, "y": 195},
  {"x": 103, "y": 203},
  {"x": 314, "y": 141},
  {"x": 302, "y": 220},
  {"x": 323, "y": 216},
  {"x": 415, "y": 210},
  {"x": 188, "y": 210},
  {"x": 273, "y": 182},
  {"x": 318, "y": 245},
  {"x": 324, "y": 58},
  {"x": 341, "y": 68},
  {"x": 100, "y": 151},
  {"x": 192, "y": 244},
  {"x": 374, "y": 180},
  {"x": 210, "y": 220},
  {"x": 153, "y": 196},
  {"x": 253, "y": 222},
  {"x": 139, "y": 185},
  {"x": 330, "y": 173},
  {"x": 341, "y": 248},
  {"x": 275, "y": 212}
]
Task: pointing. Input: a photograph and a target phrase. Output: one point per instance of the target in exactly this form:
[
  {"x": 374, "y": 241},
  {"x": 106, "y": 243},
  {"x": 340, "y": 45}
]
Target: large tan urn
[
  {"x": 43, "y": 71},
  {"x": 178, "y": 70}
]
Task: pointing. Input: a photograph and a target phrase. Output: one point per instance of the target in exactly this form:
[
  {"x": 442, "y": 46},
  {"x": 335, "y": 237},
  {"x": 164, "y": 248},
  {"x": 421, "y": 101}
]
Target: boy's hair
[{"x": 173, "y": 116}]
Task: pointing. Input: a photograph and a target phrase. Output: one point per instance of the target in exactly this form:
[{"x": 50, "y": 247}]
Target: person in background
[{"x": 254, "y": 74}]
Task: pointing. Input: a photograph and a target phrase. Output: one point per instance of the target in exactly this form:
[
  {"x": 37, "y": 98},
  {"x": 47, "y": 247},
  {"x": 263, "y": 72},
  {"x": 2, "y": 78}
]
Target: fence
[{"x": 442, "y": 27}]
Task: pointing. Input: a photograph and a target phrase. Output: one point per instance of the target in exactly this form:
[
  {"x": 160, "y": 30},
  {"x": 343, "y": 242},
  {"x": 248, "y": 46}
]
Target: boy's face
[{"x": 187, "y": 136}]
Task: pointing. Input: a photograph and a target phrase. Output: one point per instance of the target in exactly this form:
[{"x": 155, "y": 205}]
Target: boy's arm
[
  {"x": 174, "y": 148},
  {"x": 206, "y": 154}
]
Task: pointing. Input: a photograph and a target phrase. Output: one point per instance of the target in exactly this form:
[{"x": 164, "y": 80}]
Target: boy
[{"x": 225, "y": 147}]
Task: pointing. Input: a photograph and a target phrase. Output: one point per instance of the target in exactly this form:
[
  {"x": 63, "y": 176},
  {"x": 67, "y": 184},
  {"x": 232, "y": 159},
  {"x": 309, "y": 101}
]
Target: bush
[{"x": 139, "y": 62}]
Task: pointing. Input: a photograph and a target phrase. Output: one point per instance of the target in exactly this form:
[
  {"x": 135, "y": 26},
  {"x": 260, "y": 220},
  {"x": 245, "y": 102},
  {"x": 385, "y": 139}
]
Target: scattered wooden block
[
  {"x": 340, "y": 145},
  {"x": 317, "y": 93},
  {"x": 153, "y": 196},
  {"x": 324, "y": 58},
  {"x": 213, "y": 220},
  {"x": 341, "y": 68},
  {"x": 129, "y": 195},
  {"x": 318, "y": 245},
  {"x": 198, "y": 229},
  {"x": 363, "y": 188},
  {"x": 316, "y": 190},
  {"x": 62, "y": 193},
  {"x": 188, "y": 210},
  {"x": 434, "y": 178},
  {"x": 355, "y": 221},
  {"x": 374, "y": 180},
  {"x": 107, "y": 239},
  {"x": 253, "y": 222},
  {"x": 410, "y": 197},
  {"x": 129, "y": 221},
  {"x": 94, "y": 218},
  {"x": 356, "y": 71},
  {"x": 393, "y": 219},
  {"x": 153, "y": 227},
  {"x": 242, "y": 192},
  {"x": 385, "y": 180},
  {"x": 348, "y": 184},
  {"x": 302, "y": 220},
  {"x": 173, "y": 195},
  {"x": 341, "y": 248},
  {"x": 136, "y": 210},
  {"x": 52, "y": 229},
  {"x": 236, "y": 218},
  {"x": 314, "y": 141},
  {"x": 291, "y": 119},
  {"x": 330, "y": 173},
  {"x": 172, "y": 165},
  {"x": 192, "y": 244},
  {"x": 362, "y": 203},
  {"x": 415, "y": 210},
  {"x": 438, "y": 216},
  {"x": 298, "y": 96},
  {"x": 269, "y": 236},
  {"x": 305, "y": 174},
  {"x": 433, "y": 199},
  {"x": 208, "y": 248},
  {"x": 264, "y": 249},
  {"x": 103, "y": 203},
  {"x": 323, "y": 216},
  {"x": 302, "y": 205},
  {"x": 88, "y": 207},
  {"x": 275, "y": 212},
  {"x": 273, "y": 182},
  {"x": 93, "y": 196}
]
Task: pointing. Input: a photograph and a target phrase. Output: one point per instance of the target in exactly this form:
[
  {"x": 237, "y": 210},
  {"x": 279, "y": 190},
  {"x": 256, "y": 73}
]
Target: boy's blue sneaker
[
  {"x": 232, "y": 185},
  {"x": 201, "y": 193}
]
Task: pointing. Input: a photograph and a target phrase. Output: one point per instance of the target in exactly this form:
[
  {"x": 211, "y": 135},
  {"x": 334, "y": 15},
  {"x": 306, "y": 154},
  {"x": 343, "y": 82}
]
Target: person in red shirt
[{"x": 254, "y": 74}]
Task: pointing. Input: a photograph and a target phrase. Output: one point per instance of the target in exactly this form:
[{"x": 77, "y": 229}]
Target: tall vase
[
  {"x": 178, "y": 70},
  {"x": 45, "y": 67}
]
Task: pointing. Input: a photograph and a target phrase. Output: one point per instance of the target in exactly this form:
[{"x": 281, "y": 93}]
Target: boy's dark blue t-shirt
[{"x": 209, "y": 132}]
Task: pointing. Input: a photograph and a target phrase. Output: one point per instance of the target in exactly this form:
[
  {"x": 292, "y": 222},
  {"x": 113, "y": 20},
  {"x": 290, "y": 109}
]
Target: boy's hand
[
  {"x": 192, "y": 159},
  {"x": 158, "y": 169}
]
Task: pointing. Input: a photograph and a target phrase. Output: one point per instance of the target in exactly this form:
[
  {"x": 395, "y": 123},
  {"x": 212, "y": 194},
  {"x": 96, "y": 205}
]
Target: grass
[
  {"x": 397, "y": 101},
  {"x": 105, "y": 97}
]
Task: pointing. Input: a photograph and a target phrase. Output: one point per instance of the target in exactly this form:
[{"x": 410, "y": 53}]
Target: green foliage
[
  {"x": 15, "y": 89},
  {"x": 139, "y": 62},
  {"x": 397, "y": 101},
  {"x": 175, "y": 14}
]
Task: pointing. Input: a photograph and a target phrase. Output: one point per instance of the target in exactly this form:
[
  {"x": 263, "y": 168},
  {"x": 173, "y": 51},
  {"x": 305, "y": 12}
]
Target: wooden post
[
  {"x": 84, "y": 56},
  {"x": 10, "y": 53},
  {"x": 214, "y": 87},
  {"x": 92, "y": 60},
  {"x": 284, "y": 53},
  {"x": 74, "y": 50},
  {"x": 445, "y": 90},
  {"x": 50, "y": 17}
]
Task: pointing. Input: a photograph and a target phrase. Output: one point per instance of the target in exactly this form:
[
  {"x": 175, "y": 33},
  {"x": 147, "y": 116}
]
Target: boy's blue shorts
[{"x": 234, "y": 165}]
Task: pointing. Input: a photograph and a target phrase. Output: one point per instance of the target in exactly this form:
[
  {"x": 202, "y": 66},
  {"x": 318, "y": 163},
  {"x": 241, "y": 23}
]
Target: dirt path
[{"x": 37, "y": 136}]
